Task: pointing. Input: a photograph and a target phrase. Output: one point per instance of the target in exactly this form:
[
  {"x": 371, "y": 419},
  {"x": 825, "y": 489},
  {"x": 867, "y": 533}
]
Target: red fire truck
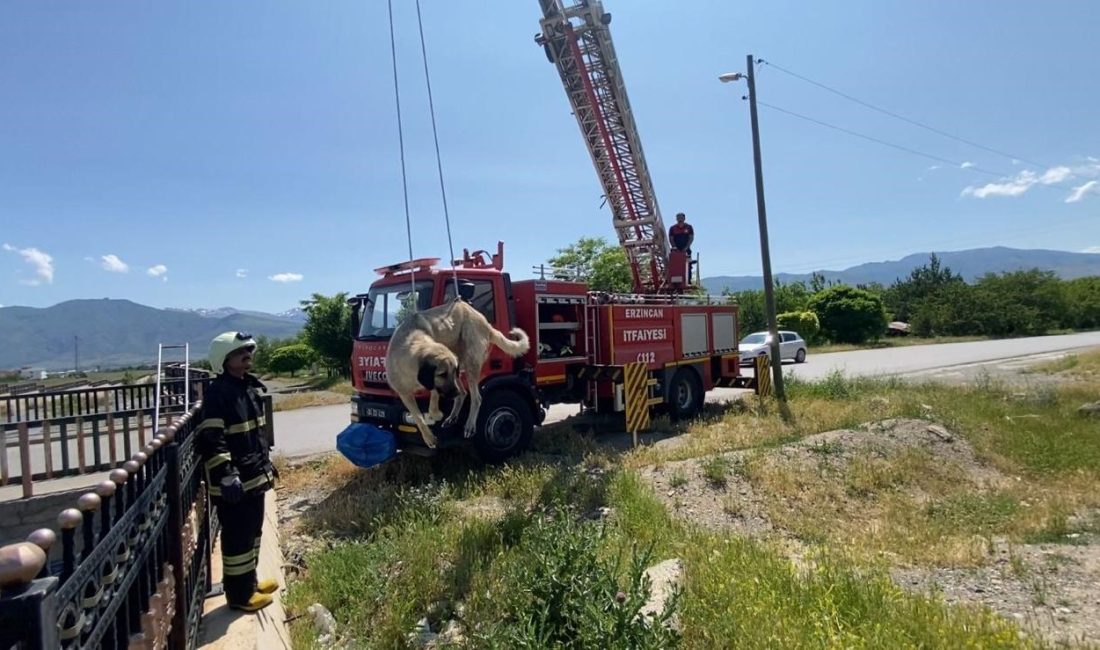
[{"x": 581, "y": 340}]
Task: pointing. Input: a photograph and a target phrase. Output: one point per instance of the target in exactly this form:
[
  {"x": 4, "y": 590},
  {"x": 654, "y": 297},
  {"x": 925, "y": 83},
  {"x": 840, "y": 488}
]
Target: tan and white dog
[{"x": 429, "y": 349}]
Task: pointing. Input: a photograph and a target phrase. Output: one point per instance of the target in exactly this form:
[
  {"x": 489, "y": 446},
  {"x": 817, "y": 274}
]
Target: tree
[
  {"x": 803, "y": 322},
  {"x": 948, "y": 312},
  {"x": 750, "y": 310},
  {"x": 791, "y": 297},
  {"x": 1019, "y": 303},
  {"x": 328, "y": 330},
  {"x": 1082, "y": 303},
  {"x": 291, "y": 358},
  {"x": 923, "y": 283},
  {"x": 591, "y": 259},
  {"x": 849, "y": 315}
]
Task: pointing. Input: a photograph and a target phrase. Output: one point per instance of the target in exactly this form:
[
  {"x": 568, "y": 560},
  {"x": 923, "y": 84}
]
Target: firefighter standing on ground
[
  {"x": 681, "y": 235},
  {"x": 234, "y": 449}
]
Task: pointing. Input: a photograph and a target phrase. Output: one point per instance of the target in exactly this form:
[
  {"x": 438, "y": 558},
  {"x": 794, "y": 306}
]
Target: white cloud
[
  {"x": 42, "y": 263},
  {"x": 242, "y": 273},
  {"x": 1027, "y": 179},
  {"x": 286, "y": 277},
  {"x": 1080, "y": 191},
  {"x": 1055, "y": 175},
  {"x": 933, "y": 168},
  {"x": 966, "y": 165},
  {"x": 1092, "y": 249},
  {"x": 1013, "y": 187},
  {"x": 114, "y": 265},
  {"x": 158, "y": 271}
]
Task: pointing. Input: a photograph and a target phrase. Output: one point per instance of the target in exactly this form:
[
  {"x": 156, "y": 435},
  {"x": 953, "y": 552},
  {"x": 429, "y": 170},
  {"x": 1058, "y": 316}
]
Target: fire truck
[{"x": 581, "y": 340}]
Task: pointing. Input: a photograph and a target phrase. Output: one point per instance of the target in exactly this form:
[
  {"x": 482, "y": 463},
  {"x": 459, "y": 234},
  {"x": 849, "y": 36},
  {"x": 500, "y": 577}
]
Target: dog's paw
[
  {"x": 449, "y": 422},
  {"x": 470, "y": 430}
]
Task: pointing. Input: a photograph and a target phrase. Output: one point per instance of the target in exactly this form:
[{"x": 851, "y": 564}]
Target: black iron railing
[{"x": 134, "y": 564}]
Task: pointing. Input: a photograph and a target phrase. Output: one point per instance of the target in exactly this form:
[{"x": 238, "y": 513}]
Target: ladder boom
[{"x": 576, "y": 38}]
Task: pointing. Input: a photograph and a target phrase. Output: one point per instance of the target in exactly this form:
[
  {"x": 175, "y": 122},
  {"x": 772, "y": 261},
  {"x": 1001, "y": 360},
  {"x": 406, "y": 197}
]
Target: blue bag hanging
[{"x": 366, "y": 445}]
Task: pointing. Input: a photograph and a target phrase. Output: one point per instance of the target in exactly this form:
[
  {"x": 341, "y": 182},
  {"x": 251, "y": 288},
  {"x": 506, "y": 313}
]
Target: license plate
[{"x": 373, "y": 412}]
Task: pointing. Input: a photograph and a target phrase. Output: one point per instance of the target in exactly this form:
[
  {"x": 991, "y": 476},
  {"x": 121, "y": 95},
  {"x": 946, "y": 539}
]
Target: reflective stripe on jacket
[{"x": 230, "y": 434}]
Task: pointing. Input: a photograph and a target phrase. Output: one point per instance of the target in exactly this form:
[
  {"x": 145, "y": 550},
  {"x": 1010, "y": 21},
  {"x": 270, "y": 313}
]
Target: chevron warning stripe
[
  {"x": 636, "y": 390},
  {"x": 763, "y": 377},
  {"x": 594, "y": 372}
]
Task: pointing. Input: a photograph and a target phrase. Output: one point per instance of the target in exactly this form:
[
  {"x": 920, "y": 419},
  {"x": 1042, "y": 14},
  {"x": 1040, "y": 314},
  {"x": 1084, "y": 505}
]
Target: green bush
[
  {"x": 556, "y": 590},
  {"x": 849, "y": 315},
  {"x": 803, "y": 322}
]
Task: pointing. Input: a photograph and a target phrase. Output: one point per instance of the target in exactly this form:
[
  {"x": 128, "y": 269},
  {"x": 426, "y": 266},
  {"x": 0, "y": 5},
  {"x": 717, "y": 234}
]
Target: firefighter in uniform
[
  {"x": 681, "y": 235},
  {"x": 234, "y": 448}
]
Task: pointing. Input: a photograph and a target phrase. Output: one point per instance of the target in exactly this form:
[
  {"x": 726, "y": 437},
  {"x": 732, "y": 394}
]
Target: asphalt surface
[{"x": 309, "y": 431}]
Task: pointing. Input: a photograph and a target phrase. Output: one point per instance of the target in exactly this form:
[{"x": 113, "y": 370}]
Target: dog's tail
[{"x": 516, "y": 346}]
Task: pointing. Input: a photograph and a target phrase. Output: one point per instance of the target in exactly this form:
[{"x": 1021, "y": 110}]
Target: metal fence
[
  {"x": 135, "y": 559},
  {"x": 73, "y": 432}
]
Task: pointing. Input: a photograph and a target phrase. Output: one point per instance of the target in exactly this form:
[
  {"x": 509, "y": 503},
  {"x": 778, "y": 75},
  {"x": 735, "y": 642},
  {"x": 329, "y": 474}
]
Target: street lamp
[{"x": 765, "y": 255}]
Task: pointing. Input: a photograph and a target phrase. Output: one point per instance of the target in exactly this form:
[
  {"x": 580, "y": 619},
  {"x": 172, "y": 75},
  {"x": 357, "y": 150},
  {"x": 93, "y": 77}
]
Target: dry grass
[
  {"x": 406, "y": 541},
  {"x": 306, "y": 400},
  {"x": 1085, "y": 366},
  {"x": 893, "y": 342}
]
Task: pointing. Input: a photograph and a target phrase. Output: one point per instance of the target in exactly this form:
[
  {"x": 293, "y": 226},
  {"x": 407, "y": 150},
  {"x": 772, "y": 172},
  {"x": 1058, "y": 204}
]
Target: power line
[
  {"x": 863, "y": 136},
  {"x": 901, "y": 117},
  {"x": 879, "y": 141}
]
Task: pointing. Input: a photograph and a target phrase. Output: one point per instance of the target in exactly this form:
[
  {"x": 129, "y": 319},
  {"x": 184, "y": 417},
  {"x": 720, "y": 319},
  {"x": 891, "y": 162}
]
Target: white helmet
[{"x": 225, "y": 344}]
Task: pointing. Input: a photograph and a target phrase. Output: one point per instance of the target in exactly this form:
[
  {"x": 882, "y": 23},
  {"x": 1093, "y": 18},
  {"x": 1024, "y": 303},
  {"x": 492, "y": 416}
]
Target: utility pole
[
  {"x": 76, "y": 354},
  {"x": 765, "y": 255}
]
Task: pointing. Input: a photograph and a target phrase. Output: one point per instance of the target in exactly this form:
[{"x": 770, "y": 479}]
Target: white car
[{"x": 758, "y": 344}]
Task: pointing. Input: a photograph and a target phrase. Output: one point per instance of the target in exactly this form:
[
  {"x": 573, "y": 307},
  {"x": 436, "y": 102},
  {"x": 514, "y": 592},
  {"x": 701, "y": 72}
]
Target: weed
[
  {"x": 1061, "y": 364},
  {"x": 826, "y": 448},
  {"x": 555, "y": 590},
  {"x": 978, "y": 514},
  {"x": 716, "y": 469},
  {"x": 741, "y": 590},
  {"x": 678, "y": 478},
  {"x": 732, "y": 506}
]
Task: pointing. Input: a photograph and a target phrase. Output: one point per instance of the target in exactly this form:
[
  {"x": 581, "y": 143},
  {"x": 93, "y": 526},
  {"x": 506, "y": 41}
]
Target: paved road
[{"x": 313, "y": 430}]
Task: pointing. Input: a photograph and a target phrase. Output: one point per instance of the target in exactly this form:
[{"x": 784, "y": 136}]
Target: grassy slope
[{"x": 405, "y": 544}]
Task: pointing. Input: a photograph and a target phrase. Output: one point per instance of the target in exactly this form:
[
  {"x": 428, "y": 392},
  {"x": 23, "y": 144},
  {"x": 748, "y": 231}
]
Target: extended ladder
[
  {"x": 578, "y": 42},
  {"x": 174, "y": 401}
]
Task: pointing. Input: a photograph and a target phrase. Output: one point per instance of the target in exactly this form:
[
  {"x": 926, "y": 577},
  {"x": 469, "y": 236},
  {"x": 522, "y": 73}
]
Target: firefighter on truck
[{"x": 681, "y": 235}]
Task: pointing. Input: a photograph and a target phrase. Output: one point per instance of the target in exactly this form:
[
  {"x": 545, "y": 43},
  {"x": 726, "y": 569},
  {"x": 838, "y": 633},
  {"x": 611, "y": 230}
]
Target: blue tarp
[{"x": 366, "y": 445}]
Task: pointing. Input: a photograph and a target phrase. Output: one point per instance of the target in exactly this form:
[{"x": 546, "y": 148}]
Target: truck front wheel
[{"x": 505, "y": 425}]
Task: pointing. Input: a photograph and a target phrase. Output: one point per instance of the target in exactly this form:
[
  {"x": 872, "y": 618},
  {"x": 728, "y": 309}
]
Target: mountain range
[
  {"x": 970, "y": 264},
  {"x": 114, "y": 333}
]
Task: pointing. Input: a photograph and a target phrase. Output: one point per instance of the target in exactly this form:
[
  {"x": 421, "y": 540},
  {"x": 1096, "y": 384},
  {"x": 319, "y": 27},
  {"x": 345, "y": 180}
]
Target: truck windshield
[{"x": 386, "y": 307}]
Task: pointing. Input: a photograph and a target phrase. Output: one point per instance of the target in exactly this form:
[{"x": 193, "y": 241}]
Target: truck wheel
[
  {"x": 504, "y": 426},
  {"x": 685, "y": 395}
]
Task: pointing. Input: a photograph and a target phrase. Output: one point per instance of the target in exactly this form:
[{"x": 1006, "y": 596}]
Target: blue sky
[{"x": 207, "y": 148}]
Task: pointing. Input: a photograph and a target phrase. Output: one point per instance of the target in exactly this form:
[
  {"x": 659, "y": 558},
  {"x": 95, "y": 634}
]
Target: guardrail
[
  {"x": 135, "y": 558},
  {"x": 37, "y": 406},
  {"x": 74, "y": 432}
]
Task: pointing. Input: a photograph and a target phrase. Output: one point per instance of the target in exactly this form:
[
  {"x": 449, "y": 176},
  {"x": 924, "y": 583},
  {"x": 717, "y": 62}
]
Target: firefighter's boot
[
  {"x": 257, "y": 602},
  {"x": 268, "y": 586}
]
